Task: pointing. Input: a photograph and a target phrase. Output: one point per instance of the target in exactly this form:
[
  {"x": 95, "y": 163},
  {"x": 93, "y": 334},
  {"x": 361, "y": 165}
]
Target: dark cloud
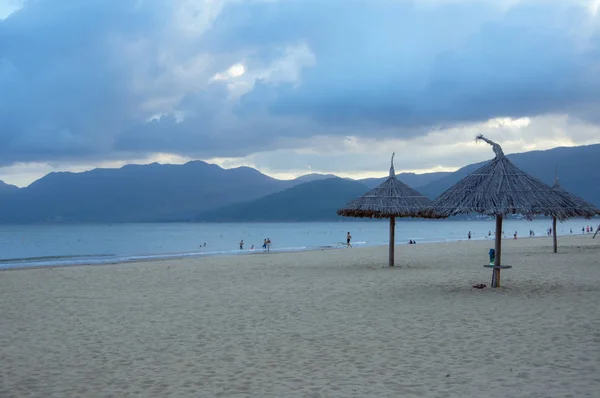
[
  {"x": 104, "y": 79},
  {"x": 63, "y": 90},
  {"x": 396, "y": 64}
]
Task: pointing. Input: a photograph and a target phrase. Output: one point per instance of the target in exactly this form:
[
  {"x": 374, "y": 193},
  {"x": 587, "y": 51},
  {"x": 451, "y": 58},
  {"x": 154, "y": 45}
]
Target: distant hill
[
  {"x": 202, "y": 191},
  {"x": 312, "y": 177},
  {"x": 135, "y": 193},
  {"x": 140, "y": 193},
  {"x": 578, "y": 171},
  {"x": 311, "y": 201},
  {"x": 4, "y": 187},
  {"x": 411, "y": 179}
]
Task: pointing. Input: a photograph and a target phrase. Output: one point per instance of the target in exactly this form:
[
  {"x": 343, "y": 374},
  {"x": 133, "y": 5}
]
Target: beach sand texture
[{"x": 335, "y": 323}]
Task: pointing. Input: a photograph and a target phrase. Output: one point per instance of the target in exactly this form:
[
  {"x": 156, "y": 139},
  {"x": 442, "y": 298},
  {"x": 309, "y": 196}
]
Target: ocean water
[{"x": 51, "y": 245}]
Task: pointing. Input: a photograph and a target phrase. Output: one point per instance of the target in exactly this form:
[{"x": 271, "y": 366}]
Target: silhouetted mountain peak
[
  {"x": 309, "y": 201},
  {"x": 200, "y": 163},
  {"x": 134, "y": 193},
  {"x": 4, "y": 187},
  {"x": 313, "y": 177},
  {"x": 577, "y": 170}
]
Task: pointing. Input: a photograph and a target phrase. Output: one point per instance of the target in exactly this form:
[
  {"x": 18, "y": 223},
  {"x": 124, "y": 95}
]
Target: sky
[{"x": 292, "y": 87}]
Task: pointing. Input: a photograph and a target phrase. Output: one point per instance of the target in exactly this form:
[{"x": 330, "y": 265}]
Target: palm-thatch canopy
[
  {"x": 390, "y": 199},
  {"x": 586, "y": 206},
  {"x": 500, "y": 188}
]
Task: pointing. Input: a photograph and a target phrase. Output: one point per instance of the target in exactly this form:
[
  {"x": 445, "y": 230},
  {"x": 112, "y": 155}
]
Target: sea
[{"x": 61, "y": 245}]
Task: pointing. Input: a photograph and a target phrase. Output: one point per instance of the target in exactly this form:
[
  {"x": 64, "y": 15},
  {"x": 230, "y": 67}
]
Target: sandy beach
[{"x": 335, "y": 323}]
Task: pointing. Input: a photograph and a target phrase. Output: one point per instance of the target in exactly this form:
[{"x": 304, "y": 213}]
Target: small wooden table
[{"x": 496, "y": 283}]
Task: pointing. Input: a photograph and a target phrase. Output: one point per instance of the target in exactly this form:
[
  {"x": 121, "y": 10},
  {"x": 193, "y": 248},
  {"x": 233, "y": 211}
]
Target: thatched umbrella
[
  {"x": 391, "y": 199},
  {"x": 586, "y": 207},
  {"x": 500, "y": 188}
]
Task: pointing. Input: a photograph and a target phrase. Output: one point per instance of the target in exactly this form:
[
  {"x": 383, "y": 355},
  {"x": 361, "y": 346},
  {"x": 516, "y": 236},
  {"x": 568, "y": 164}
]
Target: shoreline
[
  {"x": 341, "y": 219},
  {"x": 245, "y": 253},
  {"x": 43, "y": 246}
]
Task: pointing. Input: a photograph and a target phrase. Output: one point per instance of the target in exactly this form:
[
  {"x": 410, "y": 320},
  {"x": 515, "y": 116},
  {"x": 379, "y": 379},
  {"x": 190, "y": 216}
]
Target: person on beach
[
  {"x": 469, "y": 235},
  {"x": 268, "y": 244},
  {"x": 264, "y": 246},
  {"x": 242, "y": 244},
  {"x": 571, "y": 230},
  {"x": 348, "y": 239},
  {"x": 515, "y": 235}
]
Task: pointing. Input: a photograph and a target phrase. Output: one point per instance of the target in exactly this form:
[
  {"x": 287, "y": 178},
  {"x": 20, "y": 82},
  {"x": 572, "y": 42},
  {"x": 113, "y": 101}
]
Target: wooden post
[
  {"x": 498, "y": 248},
  {"x": 554, "y": 234},
  {"x": 392, "y": 239},
  {"x": 596, "y": 233}
]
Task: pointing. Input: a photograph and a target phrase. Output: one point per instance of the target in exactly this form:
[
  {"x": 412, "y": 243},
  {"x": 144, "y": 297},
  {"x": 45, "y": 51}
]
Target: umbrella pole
[
  {"x": 498, "y": 248},
  {"x": 392, "y": 240},
  {"x": 554, "y": 234}
]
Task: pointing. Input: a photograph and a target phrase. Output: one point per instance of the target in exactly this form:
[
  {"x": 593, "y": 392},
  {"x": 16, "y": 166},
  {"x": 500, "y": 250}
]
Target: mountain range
[
  {"x": 313, "y": 200},
  {"x": 199, "y": 191}
]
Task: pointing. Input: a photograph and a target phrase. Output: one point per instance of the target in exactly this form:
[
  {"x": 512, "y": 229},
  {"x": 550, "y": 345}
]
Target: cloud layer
[{"x": 107, "y": 80}]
